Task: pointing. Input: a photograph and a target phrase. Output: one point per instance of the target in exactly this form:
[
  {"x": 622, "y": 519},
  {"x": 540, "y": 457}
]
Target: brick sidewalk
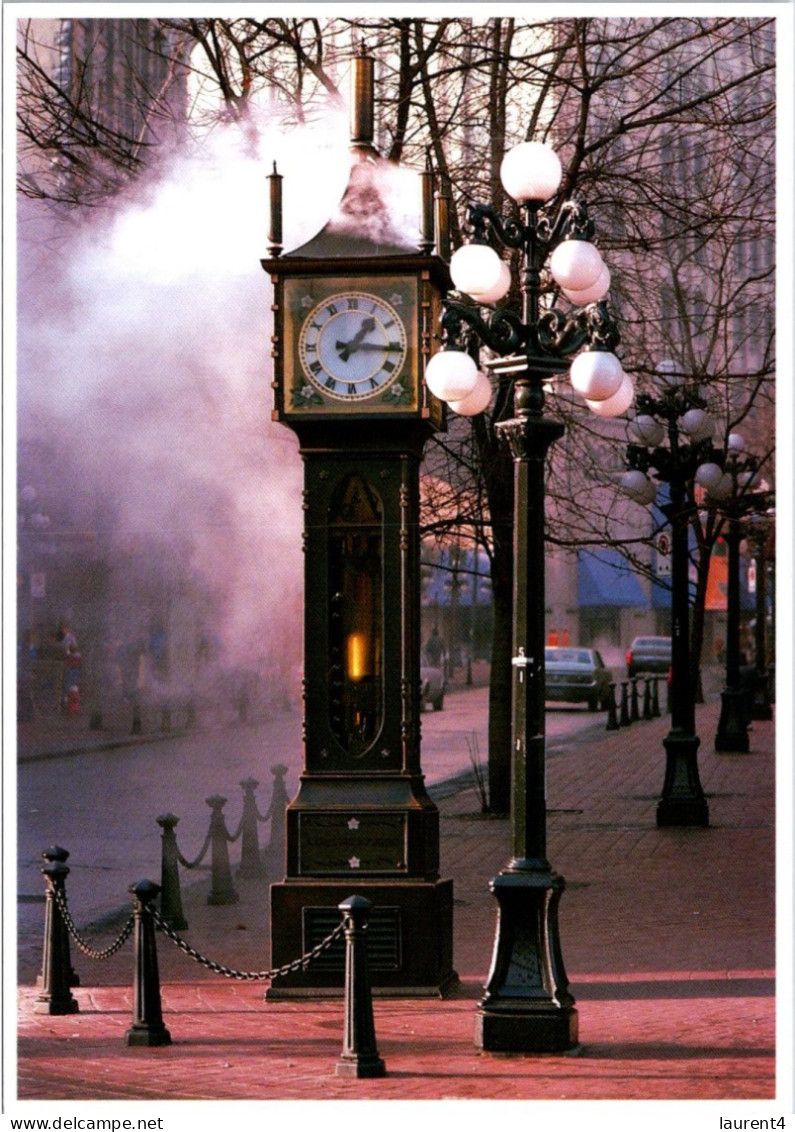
[{"x": 667, "y": 936}]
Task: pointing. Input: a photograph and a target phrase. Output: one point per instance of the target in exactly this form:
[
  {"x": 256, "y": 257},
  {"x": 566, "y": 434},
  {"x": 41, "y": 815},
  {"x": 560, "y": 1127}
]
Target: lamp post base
[
  {"x": 683, "y": 801},
  {"x": 527, "y": 1007},
  {"x": 553, "y": 1030},
  {"x": 732, "y": 733}
]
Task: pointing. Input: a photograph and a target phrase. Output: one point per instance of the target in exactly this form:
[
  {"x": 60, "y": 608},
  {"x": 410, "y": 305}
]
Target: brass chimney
[{"x": 363, "y": 105}]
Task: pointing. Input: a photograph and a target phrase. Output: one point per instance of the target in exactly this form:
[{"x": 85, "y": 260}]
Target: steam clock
[{"x": 355, "y": 310}]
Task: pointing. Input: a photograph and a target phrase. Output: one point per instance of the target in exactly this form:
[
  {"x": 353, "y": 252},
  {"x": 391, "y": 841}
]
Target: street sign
[{"x": 663, "y": 549}]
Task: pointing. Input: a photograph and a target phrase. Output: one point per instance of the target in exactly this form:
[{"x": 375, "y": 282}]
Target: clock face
[{"x": 352, "y": 346}]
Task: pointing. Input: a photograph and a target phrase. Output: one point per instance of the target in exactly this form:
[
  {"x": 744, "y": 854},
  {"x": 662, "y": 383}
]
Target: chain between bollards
[
  {"x": 359, "y": 1058},
  {"x": 246, "y": 976},
  {"x": 57, "y": 975},
  {"x": 218, "y": 839}
]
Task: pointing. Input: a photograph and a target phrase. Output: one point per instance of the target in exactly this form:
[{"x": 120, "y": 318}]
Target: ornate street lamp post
[
  {"x": 673, "y": 439},
  {"x": 527, "y": 1006},
  {"x": 733, "y": 495}
]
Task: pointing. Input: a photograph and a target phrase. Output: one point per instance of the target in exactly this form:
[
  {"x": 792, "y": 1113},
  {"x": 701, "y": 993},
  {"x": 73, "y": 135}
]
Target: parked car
[
  {"x": 577, "y": 675},
  {"x": 649, "y": 654},
  {"x": 434, "y": 686}
]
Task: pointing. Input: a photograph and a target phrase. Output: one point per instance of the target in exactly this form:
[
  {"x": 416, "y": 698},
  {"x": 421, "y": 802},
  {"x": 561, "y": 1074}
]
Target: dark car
[
  {"x": 649, "y": 654},
  {"x": 576, "y": 675}
]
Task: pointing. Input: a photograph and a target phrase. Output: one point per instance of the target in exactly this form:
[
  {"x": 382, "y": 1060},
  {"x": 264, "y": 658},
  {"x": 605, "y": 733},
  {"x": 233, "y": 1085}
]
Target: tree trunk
[
  {"x": 497, "y": 467},
  {"x": 500, "y": 682}
]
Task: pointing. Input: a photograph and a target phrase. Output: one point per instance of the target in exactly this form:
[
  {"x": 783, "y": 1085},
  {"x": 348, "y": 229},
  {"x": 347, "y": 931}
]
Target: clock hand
[
  {"x": 347, "y": 348},
  {"x": 365, "y": 346}
]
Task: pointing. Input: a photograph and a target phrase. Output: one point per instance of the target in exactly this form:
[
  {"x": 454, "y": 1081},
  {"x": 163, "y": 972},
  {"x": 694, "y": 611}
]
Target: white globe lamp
[
  {"x": 668, "y": 371},
  {"x": 576, "y": 265},
  {"x": 591, "y": 294},
  {"x": 477, "y": 401},
  {"x": 723, "y": 488},
  {"x": 639, "y": 487},
  {"x": 708, "y": 475},
  {"x": 476, "y": 268},
  {"x": 617, "y": 404},
  {"x": 647, "y": 430},
  {"x": 596, "y": 374},
  {"x": 498, "y": 291},
  {"x": 531, "y": 171},
  {"x": 696, "y": 424},
  {"x": 451, "y": 375}
]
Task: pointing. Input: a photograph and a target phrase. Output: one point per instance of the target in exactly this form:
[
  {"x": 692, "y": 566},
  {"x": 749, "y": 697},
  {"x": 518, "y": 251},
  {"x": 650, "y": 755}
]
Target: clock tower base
[{"x": 409, "y": 937}]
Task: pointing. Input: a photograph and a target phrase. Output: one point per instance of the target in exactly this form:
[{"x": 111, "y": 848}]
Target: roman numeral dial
[{"x": 352, "y": 346}]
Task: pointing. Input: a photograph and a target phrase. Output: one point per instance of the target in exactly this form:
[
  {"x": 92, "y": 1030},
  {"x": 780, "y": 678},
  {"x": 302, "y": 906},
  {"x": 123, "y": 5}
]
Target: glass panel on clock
[{"x": 355, "y": 532}]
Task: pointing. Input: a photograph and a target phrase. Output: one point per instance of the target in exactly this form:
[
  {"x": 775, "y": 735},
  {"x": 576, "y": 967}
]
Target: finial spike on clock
[
  {"x": 427, "y": 238},
  {"x": 275, "y": 193},
  {"x": 442, "y": 205}
]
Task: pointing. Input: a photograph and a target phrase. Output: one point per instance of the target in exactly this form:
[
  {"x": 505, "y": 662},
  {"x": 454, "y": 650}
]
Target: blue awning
[
  {"x": 604, "y": 577},
  {"x": 661, "y": 592}
]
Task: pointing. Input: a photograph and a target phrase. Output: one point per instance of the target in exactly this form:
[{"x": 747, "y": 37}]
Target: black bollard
[
  {"x": 148, "y": 1028},
  {"x": 655, "y": 697},
  {"x": 625, "y": 718},
  {"x": 55, "y": 996},
  {"x": 359, "y": 1051},
  {"x": 170, "y": 892},
  {"x": 222, "y": 888},
  {"x": 250, "y": 863},
  {"x": 57, "y": 853},
  {"x": 647, "y": 698},
  {"x": 634, "y": 708},
  {"x": 612, "y": 718},
  {"x": 279, "y": 801}
]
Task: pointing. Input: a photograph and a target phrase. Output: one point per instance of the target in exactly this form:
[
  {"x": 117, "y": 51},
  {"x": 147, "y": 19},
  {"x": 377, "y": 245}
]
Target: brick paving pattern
[{"x": 667, "y": 934}]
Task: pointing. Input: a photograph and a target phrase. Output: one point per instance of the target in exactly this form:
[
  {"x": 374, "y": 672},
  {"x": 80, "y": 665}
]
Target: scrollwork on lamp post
[{"x": 527, "y": 1006}]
